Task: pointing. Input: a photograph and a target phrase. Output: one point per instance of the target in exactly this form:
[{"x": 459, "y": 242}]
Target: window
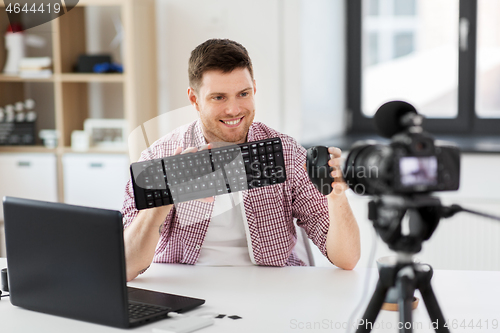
[
  {"x": 404, "y": 7},
  {"x": 488, "y": 59},
  {"x": 442, "y": 56}
]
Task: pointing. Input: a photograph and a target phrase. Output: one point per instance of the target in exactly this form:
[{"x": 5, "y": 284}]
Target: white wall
[
  {"x": 322, "y": 68},
  {"x": 296, "y": 47}
]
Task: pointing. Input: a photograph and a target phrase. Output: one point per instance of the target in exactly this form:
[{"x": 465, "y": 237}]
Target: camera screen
[{"x": 418, "y": 170}]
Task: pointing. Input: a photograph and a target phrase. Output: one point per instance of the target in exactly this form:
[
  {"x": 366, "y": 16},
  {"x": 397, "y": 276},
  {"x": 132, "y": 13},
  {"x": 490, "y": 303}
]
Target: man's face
[{"x": 225, "y": 102}]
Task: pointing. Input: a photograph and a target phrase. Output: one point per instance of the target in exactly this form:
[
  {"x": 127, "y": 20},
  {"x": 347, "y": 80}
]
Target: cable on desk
[{"x": 371, "y": 259}]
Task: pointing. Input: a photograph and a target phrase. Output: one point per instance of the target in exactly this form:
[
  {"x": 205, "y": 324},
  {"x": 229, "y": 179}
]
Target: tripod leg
[
  {"x": 373, "y": 308},
  {"x": 435, "y": 314},
  {"x": 405, "y": 284}
]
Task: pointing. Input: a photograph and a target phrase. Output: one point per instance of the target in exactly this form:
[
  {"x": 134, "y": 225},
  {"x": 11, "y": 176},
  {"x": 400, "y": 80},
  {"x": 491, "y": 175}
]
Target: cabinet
[
  {"x": 95, "y": 180},
  {"x": 64, "y": 99},
  {"x": 31, "y": 176}
]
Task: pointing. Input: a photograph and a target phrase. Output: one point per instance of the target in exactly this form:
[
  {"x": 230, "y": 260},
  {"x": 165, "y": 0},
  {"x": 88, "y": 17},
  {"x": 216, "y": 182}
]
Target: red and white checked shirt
[{"x": 270, "y": 210}]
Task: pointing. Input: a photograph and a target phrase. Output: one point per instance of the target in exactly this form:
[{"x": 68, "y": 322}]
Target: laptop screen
[{"x": 66, "y": 260}]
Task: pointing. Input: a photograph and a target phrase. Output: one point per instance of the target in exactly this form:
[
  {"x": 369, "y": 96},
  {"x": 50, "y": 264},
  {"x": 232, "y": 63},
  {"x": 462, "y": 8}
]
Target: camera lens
[{"x": 365, "y": 166}]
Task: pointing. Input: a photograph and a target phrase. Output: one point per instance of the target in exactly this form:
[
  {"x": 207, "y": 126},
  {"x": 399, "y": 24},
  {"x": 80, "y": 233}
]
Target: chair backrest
[{"x": 303, "y": 247}]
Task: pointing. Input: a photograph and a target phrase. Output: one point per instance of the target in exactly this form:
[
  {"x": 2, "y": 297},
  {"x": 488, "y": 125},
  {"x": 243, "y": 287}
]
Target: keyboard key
[{"x": 278, "y": 157}]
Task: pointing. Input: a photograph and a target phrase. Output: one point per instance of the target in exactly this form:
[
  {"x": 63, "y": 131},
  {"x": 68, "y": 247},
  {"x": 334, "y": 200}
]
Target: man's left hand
[{"x": 339, "y": 185}]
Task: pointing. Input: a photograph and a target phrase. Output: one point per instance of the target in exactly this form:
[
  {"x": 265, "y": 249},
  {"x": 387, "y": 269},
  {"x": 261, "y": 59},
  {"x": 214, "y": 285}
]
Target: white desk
[{"x": 289, "y": 299}]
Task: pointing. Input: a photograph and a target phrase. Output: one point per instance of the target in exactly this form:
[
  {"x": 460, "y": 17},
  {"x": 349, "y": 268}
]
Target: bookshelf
[{"x": 65, "y": 104}]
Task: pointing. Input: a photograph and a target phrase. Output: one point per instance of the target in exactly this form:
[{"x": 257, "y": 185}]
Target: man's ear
[
  {"x": 254, "y": 87},
  {"x": 193, "y": 98}
]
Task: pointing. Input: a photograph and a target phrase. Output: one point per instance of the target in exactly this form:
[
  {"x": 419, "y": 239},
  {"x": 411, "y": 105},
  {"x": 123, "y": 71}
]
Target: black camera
[{"x": 412, "y": 163}]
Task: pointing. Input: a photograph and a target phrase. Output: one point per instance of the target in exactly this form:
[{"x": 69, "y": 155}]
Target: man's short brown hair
[{"x": 217, "y": 54}]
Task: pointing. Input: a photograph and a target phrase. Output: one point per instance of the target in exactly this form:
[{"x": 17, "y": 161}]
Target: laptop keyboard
[
  {"x": 207, "y": 173},
  {"x": 139, "y": 311}
]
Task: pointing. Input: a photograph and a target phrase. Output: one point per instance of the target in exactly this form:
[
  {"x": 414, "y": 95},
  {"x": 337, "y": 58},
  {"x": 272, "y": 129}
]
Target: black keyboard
[
  {"x": 207, "y": 173},
  {"x": 140, "y": 311}
]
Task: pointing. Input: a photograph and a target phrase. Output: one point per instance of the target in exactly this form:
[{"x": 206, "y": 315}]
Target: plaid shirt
[{"x": 270, "y": 210}]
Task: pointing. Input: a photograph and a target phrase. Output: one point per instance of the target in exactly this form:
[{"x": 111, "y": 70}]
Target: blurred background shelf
[
  {"x": 66, "y": 99},
  {"x": 27, "y": 149},
  {"x": 12, "y": 78},
  {"x": 94, "y": 150},
  {"x": 80, "y": 77},
  {"x": 67, "y": 77}
]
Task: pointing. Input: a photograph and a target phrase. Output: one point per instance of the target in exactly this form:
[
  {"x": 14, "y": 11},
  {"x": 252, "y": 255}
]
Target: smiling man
[{"x": 253, "y": 227}]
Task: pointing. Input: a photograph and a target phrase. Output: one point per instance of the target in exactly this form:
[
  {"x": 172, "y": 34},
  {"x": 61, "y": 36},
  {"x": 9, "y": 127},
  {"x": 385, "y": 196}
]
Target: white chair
[{"x": 303, "y": 247}]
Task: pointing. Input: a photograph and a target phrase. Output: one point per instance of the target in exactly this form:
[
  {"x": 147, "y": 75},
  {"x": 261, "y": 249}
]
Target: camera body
[{"x": 413, "y": 163}]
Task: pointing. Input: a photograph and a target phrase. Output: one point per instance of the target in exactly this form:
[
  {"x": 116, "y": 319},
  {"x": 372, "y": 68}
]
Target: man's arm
[
  {"x": 142, "y": 235},
  {"x": 141, "y": 238},
  {"x": 342, "y": 242}
]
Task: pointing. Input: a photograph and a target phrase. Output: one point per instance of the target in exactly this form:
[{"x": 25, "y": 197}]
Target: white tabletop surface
[{"x": 288, "y": 299}]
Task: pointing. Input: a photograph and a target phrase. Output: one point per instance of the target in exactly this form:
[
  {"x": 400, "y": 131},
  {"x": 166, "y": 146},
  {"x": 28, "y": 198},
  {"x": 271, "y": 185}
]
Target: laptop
[{"x": 69, "y": 261}]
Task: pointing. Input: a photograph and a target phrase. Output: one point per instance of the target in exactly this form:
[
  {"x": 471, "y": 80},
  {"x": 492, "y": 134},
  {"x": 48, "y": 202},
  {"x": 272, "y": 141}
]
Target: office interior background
[{"x": 306, "y": 60}]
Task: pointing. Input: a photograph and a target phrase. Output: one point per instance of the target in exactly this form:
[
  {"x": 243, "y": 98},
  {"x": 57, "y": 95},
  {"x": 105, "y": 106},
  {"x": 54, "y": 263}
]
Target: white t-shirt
[{"x": 226, "y": 241}]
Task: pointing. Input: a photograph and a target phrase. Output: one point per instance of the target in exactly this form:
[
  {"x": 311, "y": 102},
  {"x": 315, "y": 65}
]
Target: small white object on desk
[
  {"x": 14, "y": 43},
  {"x": 41, "y": 74},
  {"x": 183, "y": 324},
  {"x": 107, "y": 133},
  {"x": 29, "y": 105},
  {"x": 20, "y": 115},
  {"x": 9, "y": 113},
  {"x": 49, "y": 138},
  {"x": 80, "y": 141},
  {"x": 35, "y": 67}
]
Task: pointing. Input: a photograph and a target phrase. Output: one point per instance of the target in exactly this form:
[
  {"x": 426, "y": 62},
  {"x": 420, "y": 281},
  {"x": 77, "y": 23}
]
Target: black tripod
[
  {"x": 405, "y": 236},
  {"x": 406, "y": 277}
]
